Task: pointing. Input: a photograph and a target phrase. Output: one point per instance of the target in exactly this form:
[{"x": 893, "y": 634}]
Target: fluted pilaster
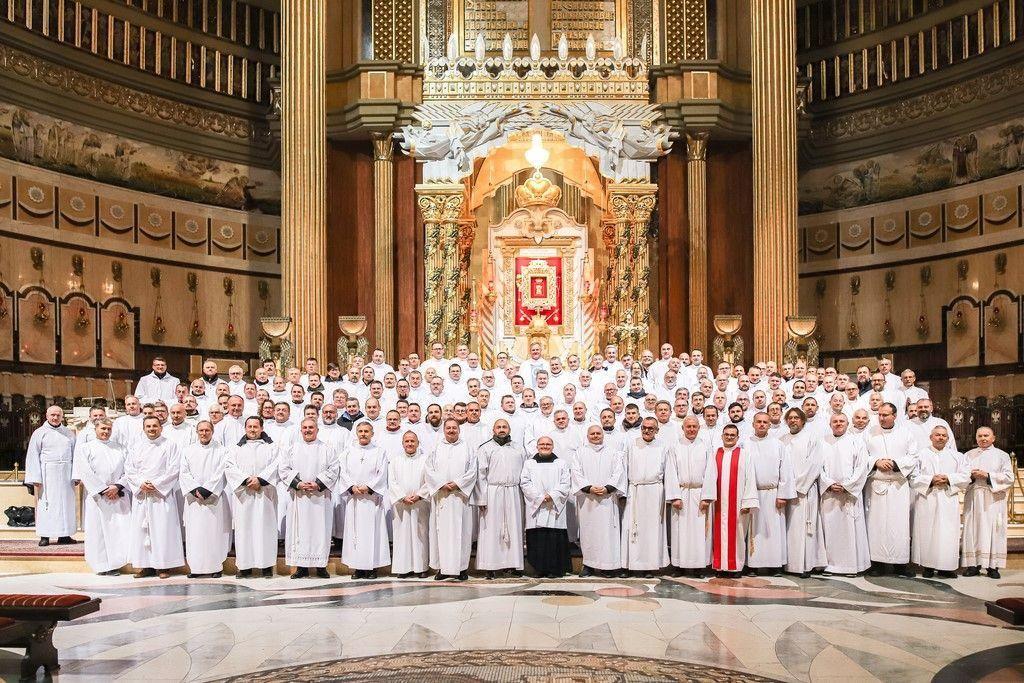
[
  {"x": 384, "y": 242},
  {"x": 697, "y": 214},
  {"x": 773, "y": 47},
  {"x": 303, "y": 171}
]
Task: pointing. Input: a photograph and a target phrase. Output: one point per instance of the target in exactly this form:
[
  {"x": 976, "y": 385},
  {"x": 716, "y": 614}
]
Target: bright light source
[{"x": 537, "y": 155}]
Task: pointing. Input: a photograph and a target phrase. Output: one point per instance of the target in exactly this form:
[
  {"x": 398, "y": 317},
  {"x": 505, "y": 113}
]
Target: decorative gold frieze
[
  {"x": 75, "y": 83},
  {"x": 905, "y": 110},
  {"x": 543, "y": 79}
]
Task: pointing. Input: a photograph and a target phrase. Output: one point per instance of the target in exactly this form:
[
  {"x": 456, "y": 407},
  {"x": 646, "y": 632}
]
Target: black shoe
[
  {"x": 876, "y": 570},
  {"x": 927, "y": 573},
  {"x": 146, "y": 573},
  {"x": 300, "y": 573},
  {"x": 243, "y": 574},
  {"x": 805, "y": 575},
  {"x": 972, "y": 571},
  {"x": 357, "y": 574},
  {"x": 216, "y": 575},
  {"x": 372, "y": 574},
  {"x": 647, "y": 575},
  {"x": 268, "y": 572},
  {"x": 947, "y": 575},
  {"x": 322, "y": 573},
  {"x": 195, "y": 576},
  {"x": 66, "y": 540},
  {"x": 518, "y": 573},
  {"x": 623, "y": 573},
  {"x": 463, "y": 576},
  {"x": 586, "y": 571},
  {"x": 489, "y": 576},
  {"x": 993, "y": 573},
  {"x": 439, "y": 576},
  {"x": 904, "y": 571},
  {"x": 423, "y": 574},
  {"x": 750, "y": 571},
  {"x": 43, "y": 542}
]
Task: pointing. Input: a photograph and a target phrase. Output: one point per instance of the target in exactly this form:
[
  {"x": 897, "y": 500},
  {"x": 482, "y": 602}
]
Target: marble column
[
  {"x": 773, "y": 48},
  {"x": 697, "y": 215},
  {"x": 303, "y": 176},
  {"x": 384, "y": 243}
]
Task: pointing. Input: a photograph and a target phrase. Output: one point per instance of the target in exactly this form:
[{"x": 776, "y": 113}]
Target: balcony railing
[
  {"x": 237, "y": 64},
  {"x": 827, "y": 22},
  {"x": 913, "y": 54},
  {"x": 234, "y": 20}
]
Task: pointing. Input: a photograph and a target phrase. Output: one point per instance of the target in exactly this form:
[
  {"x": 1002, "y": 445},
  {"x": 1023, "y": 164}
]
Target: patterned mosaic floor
[{"x": 776, "y": 628}]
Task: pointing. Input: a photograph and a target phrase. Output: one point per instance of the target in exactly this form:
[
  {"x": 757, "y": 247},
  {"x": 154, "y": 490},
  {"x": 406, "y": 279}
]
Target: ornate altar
[{"x": 497, "y": 230}]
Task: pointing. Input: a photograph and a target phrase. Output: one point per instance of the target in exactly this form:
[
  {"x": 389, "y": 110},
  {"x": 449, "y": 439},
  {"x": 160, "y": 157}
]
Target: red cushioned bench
[
  {"x": 28, "y": 621},
  {"x": 1010, "y": 610}
]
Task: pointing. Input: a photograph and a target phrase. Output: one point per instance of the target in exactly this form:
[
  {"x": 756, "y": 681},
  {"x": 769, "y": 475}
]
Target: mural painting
[
  {"x": 971, "y": 156},
  {"x": 40, "y": 140}
]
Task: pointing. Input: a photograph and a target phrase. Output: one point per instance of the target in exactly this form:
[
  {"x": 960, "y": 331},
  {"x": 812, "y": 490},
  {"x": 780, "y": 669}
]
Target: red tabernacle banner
[{"x": 538, "y": 289}]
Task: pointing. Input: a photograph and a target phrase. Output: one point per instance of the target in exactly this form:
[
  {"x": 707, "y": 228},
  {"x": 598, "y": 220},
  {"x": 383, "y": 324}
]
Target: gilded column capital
[
  {"x": 632, "y": 202},
  {"x": 697, "y": 145},
  {"x": 383, "y": 146},
  {"x": 443, "y": 208}
]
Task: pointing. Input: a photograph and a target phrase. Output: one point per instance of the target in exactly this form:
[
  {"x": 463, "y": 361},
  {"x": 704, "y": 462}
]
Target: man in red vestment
[{"x": 731, "y": 486}]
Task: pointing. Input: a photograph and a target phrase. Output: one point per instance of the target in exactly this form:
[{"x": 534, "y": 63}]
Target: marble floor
[{"x": 781, "y": 628}]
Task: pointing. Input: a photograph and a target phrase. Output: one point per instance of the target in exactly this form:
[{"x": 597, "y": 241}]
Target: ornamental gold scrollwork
[
  {"x": 538, "y": 268},
  {"x": 440, "y": 208},
  {"x": 910, "y": 109},
  {"x": 75, "y": 83},
  {"x": 569, "y": 284},
  {"x": 509, "y": 291},
  {"x": 635, "y": 208}
]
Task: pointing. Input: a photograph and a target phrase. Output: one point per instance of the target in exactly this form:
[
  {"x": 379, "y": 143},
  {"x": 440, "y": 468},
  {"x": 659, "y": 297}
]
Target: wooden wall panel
[
  {"x": 350, "y": 266},
  {"x": 730, "y": 237},
  {"x": 408, "y": 259},
  {"x": 673, "y": 252}
]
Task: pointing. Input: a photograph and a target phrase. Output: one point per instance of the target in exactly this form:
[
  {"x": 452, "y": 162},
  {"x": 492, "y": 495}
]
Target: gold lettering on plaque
[
  {"x": 495, "y": 18},
  {"x": 577, "y": 18}
]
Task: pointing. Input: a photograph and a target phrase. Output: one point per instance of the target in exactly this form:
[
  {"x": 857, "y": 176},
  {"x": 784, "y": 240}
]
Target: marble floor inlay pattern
[{"x": 781, "y": 628}]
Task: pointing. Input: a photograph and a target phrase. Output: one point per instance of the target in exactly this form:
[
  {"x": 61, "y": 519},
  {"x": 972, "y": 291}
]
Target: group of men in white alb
[{"x": 648, "y": 464}]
